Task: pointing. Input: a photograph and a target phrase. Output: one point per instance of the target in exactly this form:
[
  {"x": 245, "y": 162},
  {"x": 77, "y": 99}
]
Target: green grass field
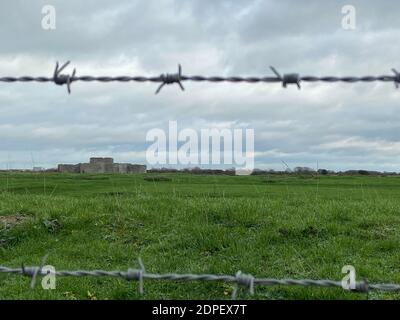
[{"x": 268, "y": 226}]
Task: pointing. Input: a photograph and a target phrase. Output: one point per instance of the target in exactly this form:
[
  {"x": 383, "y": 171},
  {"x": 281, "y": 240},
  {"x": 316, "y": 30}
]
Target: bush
[{"x": 157, "y": 179}]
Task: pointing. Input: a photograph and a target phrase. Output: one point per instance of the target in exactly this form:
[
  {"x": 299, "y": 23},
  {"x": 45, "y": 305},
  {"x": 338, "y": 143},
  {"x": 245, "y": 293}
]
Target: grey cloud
[{"x": 338, "y": 125}]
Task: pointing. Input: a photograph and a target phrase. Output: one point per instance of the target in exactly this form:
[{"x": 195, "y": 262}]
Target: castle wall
[
  {"x": 102, "y": 165},
  {"x": 136, "y": 168},
  {"x": 106, "y": 161},
  {"x": 92, "y": 168},
  {"x": 121, "y": 167},
  {"x": 69, "y": 168}
]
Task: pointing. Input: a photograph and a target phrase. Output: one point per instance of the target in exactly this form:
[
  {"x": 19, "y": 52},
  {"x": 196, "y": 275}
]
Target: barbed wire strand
[
  {"x": 166, "y": 79},
  {"x": 241, "y": 280}
]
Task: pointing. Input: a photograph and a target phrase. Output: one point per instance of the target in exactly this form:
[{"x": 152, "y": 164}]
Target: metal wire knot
[
  {"x": 170, "y": 79},
  {"x": 362, "y": 286},
  {"x": 245, "y": 280},
  {"x": 33, "y": 272},
  {"x": 29, "y": 271},
  {"x": 396, "y": 78},
  {"x": 289, "y": 78},
  {"x": 61, "y": 79},
  {"x": 137, "y": 274}
]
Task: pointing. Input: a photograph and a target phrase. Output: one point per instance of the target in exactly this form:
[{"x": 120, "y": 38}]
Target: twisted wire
[
  {"x": 240, "y": 279},
  {"x": 177, "y": 78}
]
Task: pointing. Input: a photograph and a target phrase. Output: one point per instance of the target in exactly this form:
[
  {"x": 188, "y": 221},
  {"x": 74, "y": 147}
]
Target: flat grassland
[{"x": 269, "y": 226}]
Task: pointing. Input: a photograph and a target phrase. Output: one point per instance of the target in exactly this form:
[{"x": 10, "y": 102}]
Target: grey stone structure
[{"x": 102, "y": 165}]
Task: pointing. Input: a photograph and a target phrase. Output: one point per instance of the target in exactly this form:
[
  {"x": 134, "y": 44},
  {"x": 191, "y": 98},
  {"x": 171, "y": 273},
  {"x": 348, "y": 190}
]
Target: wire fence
[
  {"x": 246, "y": 281},
  {"x": 177, "y": 78},
  {"x": 240, "y": 279}
]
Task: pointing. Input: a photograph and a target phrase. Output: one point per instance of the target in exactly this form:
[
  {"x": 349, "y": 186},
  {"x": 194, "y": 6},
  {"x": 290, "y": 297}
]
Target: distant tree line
[
  {"x": 195, "y": 170},
  {"x": 232, "y": 172},
  {"x": 295, "y": 171}
]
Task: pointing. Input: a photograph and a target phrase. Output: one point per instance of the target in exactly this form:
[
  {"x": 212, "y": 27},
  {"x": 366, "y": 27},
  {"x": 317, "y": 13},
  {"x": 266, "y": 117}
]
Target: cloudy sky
[{"x": 338, "y": 126}]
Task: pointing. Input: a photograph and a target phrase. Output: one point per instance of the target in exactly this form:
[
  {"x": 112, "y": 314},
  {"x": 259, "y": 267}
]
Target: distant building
[
  {"x": 38, "y": 169},
  {"x": 102, "y": 165}
]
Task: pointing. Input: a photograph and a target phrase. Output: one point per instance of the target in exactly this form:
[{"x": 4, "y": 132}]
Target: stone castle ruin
[{"x": 102, "y": 165}]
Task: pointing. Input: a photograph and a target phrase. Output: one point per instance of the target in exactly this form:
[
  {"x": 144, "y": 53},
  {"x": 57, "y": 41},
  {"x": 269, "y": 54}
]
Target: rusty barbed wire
[
  {"x": 178, "y": 78},
  {"x": 247, "y": 281}
]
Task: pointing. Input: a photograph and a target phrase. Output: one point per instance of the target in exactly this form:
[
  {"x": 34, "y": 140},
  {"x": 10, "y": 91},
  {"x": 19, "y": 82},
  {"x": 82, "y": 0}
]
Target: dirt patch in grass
[{"x": 13, "y": 219}]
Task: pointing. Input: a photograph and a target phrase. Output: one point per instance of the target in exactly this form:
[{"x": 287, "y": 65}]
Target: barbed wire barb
[
  {"x": 397, "y": 78},
  {"x": 170, "y": 79},
  {"x": 288, "y": 78},
  {"x": 245, "y": 280},
  {"x": 61, "y": 79},
  {"x": 141, "y": 278},
  {"x": 33, "y": 272},
  {"x": 137, "y": 274},
  {"x": 362, "y": 286},
  {"x": 38, "y": 271}
]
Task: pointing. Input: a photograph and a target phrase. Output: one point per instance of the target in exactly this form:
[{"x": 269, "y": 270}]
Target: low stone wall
[
  {"x": 129, "y": 168},
  {"x": 136, "y": 168}
]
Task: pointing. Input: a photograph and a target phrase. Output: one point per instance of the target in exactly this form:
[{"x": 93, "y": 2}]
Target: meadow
[{"x": 277, "y": 226}]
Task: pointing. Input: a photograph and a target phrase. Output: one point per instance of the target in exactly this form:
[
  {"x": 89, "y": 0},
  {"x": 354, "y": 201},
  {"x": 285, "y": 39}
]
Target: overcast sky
[{"x": 338, "y": 126}]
